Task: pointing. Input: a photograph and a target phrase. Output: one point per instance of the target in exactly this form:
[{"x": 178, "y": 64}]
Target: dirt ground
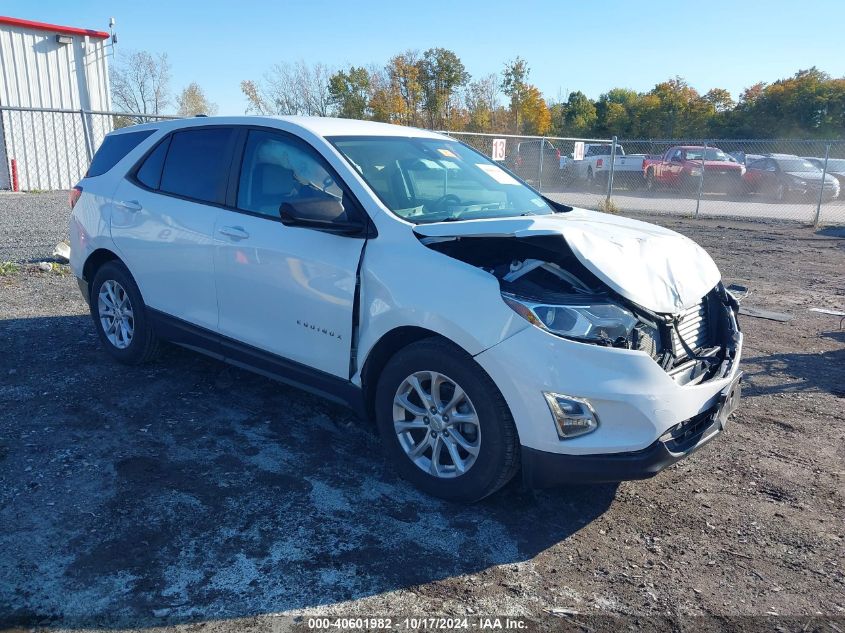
[{"x": 187, "y": 493}]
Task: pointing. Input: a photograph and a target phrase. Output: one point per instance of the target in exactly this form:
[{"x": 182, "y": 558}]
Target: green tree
[
  {"x": 514, "y": 85},
  {"x": 580, "y": 115},
  {"x": 441, "y": 74},
  {"x": 349, "y": 92}
]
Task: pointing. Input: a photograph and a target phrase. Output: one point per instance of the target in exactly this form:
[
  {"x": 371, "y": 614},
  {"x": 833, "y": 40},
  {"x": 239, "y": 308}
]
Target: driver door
[{"x": 282, "y": 289}]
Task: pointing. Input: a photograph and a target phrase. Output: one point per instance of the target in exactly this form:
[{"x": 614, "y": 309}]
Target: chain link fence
[
  {"x": 769, "y": 179},
  {"x": 49, "y": 149}
]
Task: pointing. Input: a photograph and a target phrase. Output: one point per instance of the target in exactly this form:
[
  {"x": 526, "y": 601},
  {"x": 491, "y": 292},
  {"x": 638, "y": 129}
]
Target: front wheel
[
  {"x": 120, "y": 315},
  {"x": 444, "y": 423}
]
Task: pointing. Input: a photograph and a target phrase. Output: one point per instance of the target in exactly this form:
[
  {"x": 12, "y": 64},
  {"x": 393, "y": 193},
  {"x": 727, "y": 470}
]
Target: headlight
[
  {"x": 598, "y": 321},
  {"x": 695, "y": 171}
]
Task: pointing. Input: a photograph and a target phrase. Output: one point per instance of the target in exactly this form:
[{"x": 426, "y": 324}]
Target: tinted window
[
  {"x": 197, "y": 163},
  {"x": 279, "y": 171},
  {"x": 114, "y": 148},
  {"x": 150, "y": 172}
]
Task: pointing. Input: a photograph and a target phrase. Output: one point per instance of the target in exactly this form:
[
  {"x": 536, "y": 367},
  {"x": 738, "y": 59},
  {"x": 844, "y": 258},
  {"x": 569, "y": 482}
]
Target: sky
[{"x": 587, "y": 46}]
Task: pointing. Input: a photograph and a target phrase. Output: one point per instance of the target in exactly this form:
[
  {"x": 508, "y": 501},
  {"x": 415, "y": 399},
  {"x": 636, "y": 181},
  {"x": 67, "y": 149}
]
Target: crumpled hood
[{"x": 658, "y": 269}]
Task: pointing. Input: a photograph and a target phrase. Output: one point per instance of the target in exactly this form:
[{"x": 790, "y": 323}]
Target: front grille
[{"x": 693, "y": 328}]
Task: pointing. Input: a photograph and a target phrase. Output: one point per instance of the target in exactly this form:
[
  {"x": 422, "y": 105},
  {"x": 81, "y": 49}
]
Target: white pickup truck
[{"x": 594, "y": 168}]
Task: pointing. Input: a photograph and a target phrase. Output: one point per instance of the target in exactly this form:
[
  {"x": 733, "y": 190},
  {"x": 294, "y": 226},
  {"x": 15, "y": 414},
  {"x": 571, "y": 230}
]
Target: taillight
[
  {"x": 599, "y": 163},
  {"x": 73, "y": 196},
  {"x": 557, "y": 154}
]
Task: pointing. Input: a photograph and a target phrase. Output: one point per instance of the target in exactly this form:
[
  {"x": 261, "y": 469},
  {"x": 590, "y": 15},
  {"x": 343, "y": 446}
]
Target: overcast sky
[{"x": 588, "y": 46}]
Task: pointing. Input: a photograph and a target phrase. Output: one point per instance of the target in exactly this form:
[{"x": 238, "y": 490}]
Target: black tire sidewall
[
  {"x": 488, "y": 472},
  {"x": 137, "y": 349}
]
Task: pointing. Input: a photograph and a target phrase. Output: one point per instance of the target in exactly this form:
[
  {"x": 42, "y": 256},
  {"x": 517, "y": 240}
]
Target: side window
[
  {"x": 279, "y": 171},
  {"x": 149, "y": 174},
  {"x": 197, "y": 164},
  {"x": 113, "y": 149}
]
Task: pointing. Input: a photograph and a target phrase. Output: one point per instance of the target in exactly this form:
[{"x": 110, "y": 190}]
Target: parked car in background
[
  {"x": 594, "y": 169},
  {"x": 524, "y": 161},
  {"x": 785, "y": 177},
  {"x": 684, "y": 166},
  {"x": 835, "y": 167},
  {"x": 486, "y": 329},
  {"x": 743, "y": 158}
]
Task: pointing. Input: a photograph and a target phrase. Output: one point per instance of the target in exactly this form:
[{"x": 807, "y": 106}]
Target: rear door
[
  {"x": 163, "y": 221},
  {"x": 286, "y": 290}
]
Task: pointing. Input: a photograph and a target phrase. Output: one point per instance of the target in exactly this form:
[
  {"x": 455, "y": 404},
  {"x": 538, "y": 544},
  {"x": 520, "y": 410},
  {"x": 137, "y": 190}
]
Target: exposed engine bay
[{"x": 542, "y": 280}]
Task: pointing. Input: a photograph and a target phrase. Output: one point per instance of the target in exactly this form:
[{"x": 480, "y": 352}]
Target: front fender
[{"x": 404, "y": 283}]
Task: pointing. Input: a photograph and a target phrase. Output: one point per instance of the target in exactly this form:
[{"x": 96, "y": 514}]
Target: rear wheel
[
  {"x": 444, "y": 423},
  {"x": 120, "y": 315}
]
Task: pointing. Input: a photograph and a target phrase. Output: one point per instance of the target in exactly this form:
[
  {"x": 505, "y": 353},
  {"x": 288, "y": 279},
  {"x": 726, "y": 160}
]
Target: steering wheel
[{"x": 442, "y": 200}]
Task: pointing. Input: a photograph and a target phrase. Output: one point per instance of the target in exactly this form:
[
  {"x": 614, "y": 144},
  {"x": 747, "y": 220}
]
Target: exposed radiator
[{"x": 693, "y": 328}]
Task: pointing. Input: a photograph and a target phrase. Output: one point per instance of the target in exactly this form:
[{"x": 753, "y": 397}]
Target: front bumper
[
  {"x": 541, "y": 469},
  {"x": 636, "y": 401}
]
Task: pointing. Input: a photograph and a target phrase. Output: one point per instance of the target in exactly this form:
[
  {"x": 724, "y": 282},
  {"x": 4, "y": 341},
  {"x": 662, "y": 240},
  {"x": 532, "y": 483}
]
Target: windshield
[
  {"x": 796, "y": 164},
  {"x": 712, "y": 154},
  {"x": 425, "y": 180}
]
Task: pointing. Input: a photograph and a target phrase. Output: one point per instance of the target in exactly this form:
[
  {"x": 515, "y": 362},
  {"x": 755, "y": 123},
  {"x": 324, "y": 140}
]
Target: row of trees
[
  {"x": 433, "y": 89},
  {"x": 430, "y": 89}
]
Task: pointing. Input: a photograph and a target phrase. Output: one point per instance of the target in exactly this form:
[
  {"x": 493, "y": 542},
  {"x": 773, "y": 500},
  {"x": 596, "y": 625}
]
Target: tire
[
  {"x": 136, "y": 343},
  {"x": 591, "y": 179},
  {"x": 780, "y": 192},
  {"x": 493, "y": 436}
]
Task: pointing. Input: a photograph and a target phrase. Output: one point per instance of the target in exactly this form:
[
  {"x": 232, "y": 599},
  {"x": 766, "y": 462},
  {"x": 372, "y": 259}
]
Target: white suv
[{"x": 485, "y": 328}]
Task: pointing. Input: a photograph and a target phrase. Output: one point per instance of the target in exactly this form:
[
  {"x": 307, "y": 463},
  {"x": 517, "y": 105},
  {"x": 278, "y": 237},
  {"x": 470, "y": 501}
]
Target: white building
[{"x": 58, "y": 68}]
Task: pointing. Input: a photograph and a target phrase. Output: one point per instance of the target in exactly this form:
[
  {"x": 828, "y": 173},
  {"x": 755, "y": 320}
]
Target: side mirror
[{"x": 302, "y": 214}]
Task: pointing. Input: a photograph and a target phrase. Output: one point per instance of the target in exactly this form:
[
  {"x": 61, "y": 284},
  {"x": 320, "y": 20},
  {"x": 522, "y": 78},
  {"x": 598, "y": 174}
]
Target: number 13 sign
[{"x": 498, "y": 149}]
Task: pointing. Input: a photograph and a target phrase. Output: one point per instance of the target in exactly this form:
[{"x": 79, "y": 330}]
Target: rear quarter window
[
  {"x": 113, "y": 149},
  {"x": 149, "y": 173}
]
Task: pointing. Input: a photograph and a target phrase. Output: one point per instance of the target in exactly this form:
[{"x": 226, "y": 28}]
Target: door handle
[
  {"x": 235, "y": 232},
  {"x": 131, "y": 205}
]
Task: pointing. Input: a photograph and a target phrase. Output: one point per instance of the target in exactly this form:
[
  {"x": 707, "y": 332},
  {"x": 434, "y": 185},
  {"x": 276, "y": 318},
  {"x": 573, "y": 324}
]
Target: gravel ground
[
  {"x": 187, "y": 493},
  {"x": 32, "y": 224}
]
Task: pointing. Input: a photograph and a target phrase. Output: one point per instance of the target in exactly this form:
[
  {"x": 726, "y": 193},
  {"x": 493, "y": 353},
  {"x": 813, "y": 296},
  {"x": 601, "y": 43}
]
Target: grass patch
[
  {"x": 608, "y": 206},
  {"x": 9, "y": 268}
]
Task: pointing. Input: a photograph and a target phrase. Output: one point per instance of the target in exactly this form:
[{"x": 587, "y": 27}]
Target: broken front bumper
[
  {"x": 541, "y": 469},
  {"x": 635, "y": 400}
]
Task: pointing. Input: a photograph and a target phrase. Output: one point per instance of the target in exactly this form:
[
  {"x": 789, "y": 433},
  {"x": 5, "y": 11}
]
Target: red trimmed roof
[{"x": 53, "y": 28}]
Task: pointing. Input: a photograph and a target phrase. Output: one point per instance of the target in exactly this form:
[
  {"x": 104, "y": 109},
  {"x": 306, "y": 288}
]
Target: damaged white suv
[{"x": 484, "y": 327}]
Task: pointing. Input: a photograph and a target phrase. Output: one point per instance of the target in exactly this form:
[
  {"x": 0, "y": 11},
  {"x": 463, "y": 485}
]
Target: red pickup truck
[{"x": 683, "y": 166}]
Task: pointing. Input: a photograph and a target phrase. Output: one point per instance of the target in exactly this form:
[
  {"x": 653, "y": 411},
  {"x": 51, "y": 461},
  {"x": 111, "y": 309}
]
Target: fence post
[
  {"x": 700, "y": 181},
  {"x": 540, "y": 166},
  {"x": 821, "y": 189},
  {"x": 86, "y": 132},
  {"x": 607, "y": 200}
]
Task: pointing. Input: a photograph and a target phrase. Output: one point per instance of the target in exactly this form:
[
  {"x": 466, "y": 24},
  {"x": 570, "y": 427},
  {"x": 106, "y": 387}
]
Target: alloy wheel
[
  {"x": 117, "y": 318},
  {"x": 436, "y": 424}
]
